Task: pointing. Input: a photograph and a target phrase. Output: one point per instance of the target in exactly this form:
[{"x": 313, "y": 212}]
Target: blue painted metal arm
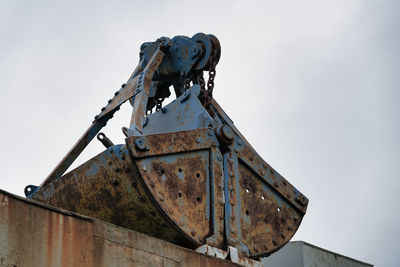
[
  {"x": 142, "y": 92},
  {"x": 128, "y": 91},
  {"x": 75, "y": 151}
]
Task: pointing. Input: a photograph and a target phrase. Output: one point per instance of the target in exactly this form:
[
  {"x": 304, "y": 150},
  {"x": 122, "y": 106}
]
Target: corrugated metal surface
[
  {"x": 34, "y": 234},
  {"x": 302, "y": 254}
]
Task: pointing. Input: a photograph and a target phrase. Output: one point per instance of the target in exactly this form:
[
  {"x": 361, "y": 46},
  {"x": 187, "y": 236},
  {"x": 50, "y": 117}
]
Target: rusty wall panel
[{"x": 35, "y": 234}]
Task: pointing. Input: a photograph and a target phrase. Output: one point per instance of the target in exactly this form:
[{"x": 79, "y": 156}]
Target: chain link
[
  {"x": 187, "y": 84},
  {"x": 202, "y": 82},
  {"x": 207, "y": 93}
]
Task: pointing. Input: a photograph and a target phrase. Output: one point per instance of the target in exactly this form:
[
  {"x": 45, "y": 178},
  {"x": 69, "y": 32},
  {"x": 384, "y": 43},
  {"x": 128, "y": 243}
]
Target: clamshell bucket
[{"x": 185, "y": 174}]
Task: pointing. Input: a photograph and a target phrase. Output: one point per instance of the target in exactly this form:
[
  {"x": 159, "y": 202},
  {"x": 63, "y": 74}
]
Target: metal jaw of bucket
[{"x": 184, "y": 176}]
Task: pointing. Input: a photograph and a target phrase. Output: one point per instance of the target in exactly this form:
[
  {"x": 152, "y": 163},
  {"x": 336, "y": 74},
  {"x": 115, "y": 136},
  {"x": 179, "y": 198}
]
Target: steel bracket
[{"x": 230, "y": 254}]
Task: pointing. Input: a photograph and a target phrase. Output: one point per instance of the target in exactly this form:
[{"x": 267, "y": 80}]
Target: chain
[
  {"x": 202, "y": 82},
  {"x": 187, "y": 84},
  {"x": 207, "y": 93}
]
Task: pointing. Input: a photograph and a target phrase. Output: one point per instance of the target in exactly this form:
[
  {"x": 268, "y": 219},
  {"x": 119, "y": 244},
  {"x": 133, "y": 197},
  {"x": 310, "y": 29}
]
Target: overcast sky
[{"x": 313, "y": 85}]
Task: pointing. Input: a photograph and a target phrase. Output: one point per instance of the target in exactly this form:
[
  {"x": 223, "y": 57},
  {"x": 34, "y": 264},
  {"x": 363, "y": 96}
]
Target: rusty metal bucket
[{"x": 190, "y": 179}]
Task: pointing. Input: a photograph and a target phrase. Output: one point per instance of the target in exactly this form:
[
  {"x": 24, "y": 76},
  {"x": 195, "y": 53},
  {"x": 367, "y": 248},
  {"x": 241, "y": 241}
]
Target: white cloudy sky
[{"x": 313, "y": 85}]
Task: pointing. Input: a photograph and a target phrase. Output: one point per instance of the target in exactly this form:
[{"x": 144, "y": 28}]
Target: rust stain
[
  {"x": 114, "y": 193},
  {"x": 184, "y": 199},
  {"x": 266, "y": 224},
  {"x": 50, "y": 231},
  {"x": 176, "y": 142},
  {"x": 281, "y": 185}
]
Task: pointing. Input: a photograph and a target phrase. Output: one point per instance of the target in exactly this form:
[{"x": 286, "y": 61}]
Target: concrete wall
[{"x": 33, "y": 234}]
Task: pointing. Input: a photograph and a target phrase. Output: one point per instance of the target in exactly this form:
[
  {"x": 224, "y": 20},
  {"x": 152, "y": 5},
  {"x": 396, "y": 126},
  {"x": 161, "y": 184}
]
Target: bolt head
[
  {"x": 230, "y": 186},
  {"x": 227, "y": 132},
  {"x": 140, "y": 144}
]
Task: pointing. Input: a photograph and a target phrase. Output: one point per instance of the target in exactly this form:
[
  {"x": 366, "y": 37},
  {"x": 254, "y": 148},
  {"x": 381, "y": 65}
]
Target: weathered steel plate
[
  {"x": 179, "y": 183},
  {"x": 164, "y": 190},
  {"x": 271, "y": 208},
  {"x": 110, "y": 188},
  {"x": 263, "y": 210},
  {"x": 266, "y": 173},
  {"x": 177, "y": 172},
  {"x": 267, "y": 220}
]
